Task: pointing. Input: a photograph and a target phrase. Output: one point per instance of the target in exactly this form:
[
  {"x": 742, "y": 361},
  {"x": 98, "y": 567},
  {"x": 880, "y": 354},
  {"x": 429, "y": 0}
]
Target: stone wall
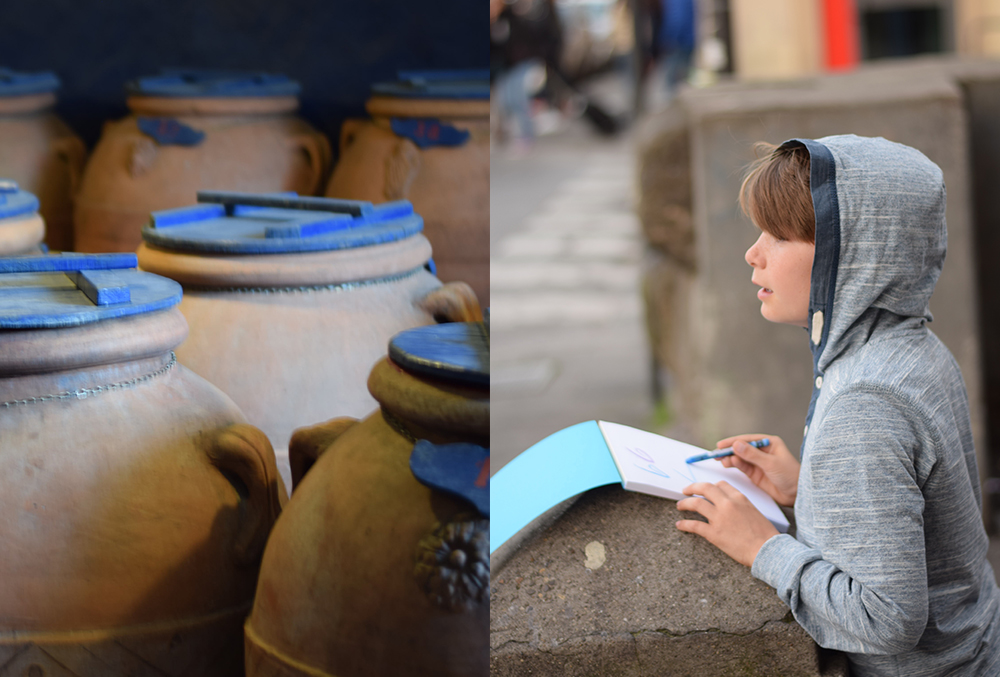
[
  {"x": 613, "y": 589},
  {"x": 981, "y": 88}
]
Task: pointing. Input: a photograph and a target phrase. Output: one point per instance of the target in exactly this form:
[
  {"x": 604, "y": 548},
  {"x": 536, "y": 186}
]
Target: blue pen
[{"x": 728, "y": 451}]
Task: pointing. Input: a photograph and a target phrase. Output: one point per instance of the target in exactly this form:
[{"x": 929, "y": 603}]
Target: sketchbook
[
  {"x": 595, "y": 453},
  {"x": 653, "y": 464}
]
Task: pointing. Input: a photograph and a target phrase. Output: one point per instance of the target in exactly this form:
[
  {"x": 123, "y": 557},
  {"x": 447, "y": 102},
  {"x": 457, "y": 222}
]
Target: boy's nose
[
  {"x": 756, "y": 256},
  {"x": 753, "y": 255}
]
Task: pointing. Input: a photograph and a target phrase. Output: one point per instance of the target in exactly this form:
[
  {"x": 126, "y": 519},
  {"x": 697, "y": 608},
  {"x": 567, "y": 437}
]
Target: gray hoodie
[{"x": 889, "y": 561}]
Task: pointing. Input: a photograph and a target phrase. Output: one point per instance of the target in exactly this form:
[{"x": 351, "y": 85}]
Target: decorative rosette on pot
[{"x": 380, "y": 564}]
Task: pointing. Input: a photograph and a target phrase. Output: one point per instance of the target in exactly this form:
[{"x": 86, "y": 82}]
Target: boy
[{"x": 889, "y": 560}]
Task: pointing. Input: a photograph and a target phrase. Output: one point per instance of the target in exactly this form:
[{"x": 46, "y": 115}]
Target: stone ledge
[{"x": 661, "y": 602}]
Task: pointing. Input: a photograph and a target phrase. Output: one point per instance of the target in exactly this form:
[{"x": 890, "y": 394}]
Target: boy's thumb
[{"x": 744, "y": 450}]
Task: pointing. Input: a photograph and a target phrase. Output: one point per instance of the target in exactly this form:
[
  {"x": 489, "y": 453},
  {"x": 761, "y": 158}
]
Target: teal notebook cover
[
  {"x": 577, "y": 459},
  {"x": 559, "y": 467}
]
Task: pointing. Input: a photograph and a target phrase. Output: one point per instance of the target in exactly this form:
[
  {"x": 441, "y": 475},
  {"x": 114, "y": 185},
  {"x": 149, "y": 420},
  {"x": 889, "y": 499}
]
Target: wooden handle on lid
[
  {"x": 322, "y": 225},
  {"x": 327, "y": 215},
  {"x": 67, "y": 263},
  {"x": 286, "y": 201},
  {"x": 92, "y": 273}
]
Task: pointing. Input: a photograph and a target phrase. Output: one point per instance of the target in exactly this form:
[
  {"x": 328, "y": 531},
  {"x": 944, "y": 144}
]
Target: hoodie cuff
[{"x": 779, "y": 560}]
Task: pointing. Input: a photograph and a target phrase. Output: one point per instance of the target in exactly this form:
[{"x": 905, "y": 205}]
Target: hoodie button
[
  {"x": 819, "y": 381},
  {"x": 817, "y": 327}
]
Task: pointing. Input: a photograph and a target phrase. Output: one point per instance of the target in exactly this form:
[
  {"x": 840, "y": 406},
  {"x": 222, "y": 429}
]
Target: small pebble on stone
[{"x": 595, "y": 555}]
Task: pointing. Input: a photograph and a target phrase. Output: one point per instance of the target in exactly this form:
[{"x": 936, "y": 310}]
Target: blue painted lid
[
  {"x": 459, "y": 469},
  {"x": 453, "y": 84},
  {"x": 279, "y": 223},
  {"x": 15, "y": 202},
  {"x": 45, "y": 292},
  {"x": 212, "y": 83},
  {"x": 456, "y": 352},
  {"x": 13, "y": 83}
]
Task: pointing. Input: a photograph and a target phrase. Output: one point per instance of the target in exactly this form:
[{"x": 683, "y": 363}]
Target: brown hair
[{"x": 775, "y": 194}]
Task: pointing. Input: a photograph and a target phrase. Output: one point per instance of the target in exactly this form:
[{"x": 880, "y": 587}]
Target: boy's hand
[
  {"x": 772, "y": 468},
  {"x": 735, "y": 526}
]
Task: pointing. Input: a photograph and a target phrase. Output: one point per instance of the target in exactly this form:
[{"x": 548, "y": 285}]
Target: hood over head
[{"x": 881, "y": 238}]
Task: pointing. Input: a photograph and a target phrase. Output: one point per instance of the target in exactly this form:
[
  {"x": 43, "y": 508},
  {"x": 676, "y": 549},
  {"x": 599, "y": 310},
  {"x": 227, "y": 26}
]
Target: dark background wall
[{"x": 335, "y": 49}]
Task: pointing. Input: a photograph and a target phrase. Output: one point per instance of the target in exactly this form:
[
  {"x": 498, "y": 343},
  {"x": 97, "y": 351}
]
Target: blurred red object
[{"x": 840, "y": 18}]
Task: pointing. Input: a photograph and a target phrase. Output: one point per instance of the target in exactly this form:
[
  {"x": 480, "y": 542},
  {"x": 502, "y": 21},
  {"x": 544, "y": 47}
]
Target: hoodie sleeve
[{"x": 857, "y": 578}]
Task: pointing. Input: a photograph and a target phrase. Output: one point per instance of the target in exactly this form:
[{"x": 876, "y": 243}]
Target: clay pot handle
[
  {"x": 453, "y": 302},
  {"x": 308, "y": 444},
  {"x": 349, "y": 131},
  {"x": 317, "y": 151},
  {"x": 401, "y": 168},
  {"x": 71, "y": 151},
  {"x": 244, "y": 455},
  {"x": 141, "y": 156}
]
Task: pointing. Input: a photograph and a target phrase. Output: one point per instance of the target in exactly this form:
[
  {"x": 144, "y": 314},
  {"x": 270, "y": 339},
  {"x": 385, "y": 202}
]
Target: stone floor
[{"x": 567, "y": 338}]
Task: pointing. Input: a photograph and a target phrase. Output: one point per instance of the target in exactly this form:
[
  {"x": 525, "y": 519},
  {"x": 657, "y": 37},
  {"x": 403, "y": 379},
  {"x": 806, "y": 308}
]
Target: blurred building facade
[
  {"x": 767, "y": 40},
  {"x": 781, "y": 39}
]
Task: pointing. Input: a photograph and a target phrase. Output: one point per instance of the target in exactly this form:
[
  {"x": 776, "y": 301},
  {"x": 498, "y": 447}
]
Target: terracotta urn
[
  {"x": 428, "y": 142},
  {"x": 136, "y": 500},
  {"x": 291, "y": 300},
  {"x": 379, "y": 565},
  {"x": 38, "y": 150},
  {"x": 188, "y": 131},
  {"x": 21, "y": 227}
]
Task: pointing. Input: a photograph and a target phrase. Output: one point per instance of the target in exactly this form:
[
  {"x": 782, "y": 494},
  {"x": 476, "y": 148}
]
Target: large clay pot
[
  {"x": 290, "y": 326},
  {"x": 370, "y": 571},
  {"x": 38, "y": 150},
  {"x": 403, "y": 152},
  {"x": 21, "y": 227},
  {"x": 136, "y": 500},
  {"x": 192, "y": 132}
]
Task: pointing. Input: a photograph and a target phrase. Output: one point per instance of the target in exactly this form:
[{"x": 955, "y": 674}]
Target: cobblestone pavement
[{"x": 567, "y": 335}]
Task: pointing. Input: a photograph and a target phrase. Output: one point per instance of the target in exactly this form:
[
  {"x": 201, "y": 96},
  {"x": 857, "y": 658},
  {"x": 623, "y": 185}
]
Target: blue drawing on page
[{"x": 651, "y": 467}]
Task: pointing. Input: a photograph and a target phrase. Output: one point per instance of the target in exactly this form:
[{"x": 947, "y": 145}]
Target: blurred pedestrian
[
  {"x": 677, "y": 42},
  {"x": 648, "y": 16},
  {"x": 525, "y": 41}
]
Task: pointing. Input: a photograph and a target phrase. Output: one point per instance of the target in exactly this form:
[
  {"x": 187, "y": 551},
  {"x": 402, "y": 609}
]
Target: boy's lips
[{"x": 763, "y": 291}]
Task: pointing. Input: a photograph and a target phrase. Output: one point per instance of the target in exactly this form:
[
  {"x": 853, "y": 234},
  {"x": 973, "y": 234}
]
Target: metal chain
[
  {"x": 84, "y": 393},
  {"x": 398, "y": 425},
  {"x": 341, "y": 286}
]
